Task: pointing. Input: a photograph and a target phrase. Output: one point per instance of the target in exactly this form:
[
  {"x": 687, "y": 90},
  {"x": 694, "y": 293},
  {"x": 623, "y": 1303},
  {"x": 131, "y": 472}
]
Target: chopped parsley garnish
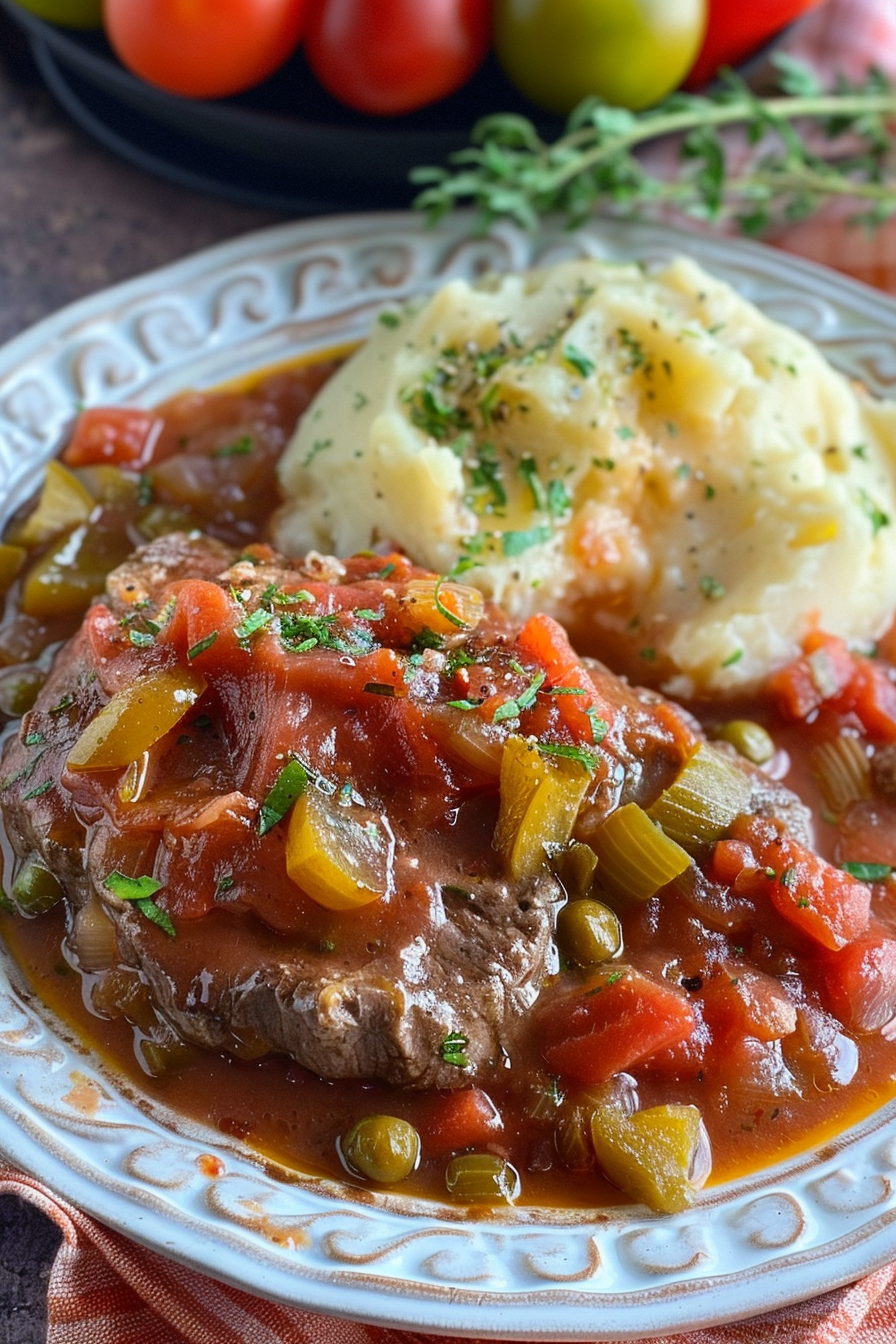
[
  {"x": 624, "y": 432},
  {"x": 581, "y": 755},
  {"x": 142, "y": 639},
  {"x": 711, "y": 589},
  {"x": 39, "y": 791},
  {"x": 201, "y": 646},
  {"x": 603, "y": 463},
  {"x": 868, "y": 872},
  {"x": 464, "y": 704},
  {"x": 289, "y": 785},
  {"x": 559, "y": 501},
  {"x": 360, "y": 400},
  {"x": 366, "y": 614},
  {"x": 452, "y": 1050},
  {"x": 140, "y": 890},
  {"x": 649, "y": 655},
  {"x": 599, "y": 726},
  {"x": 582, "y": 363},
  {"x": 34, "y": 739},
  {"x": 240, "y": 448},
  {"x": 426, "y": 639},
  {"x": 318, "y": 446},
  {"x": 528, "y": 469},
  {"x": 225, "y": 882},
  {"x": 511, "y": 709},
  {"x": 515, "y": 543},
  {"x": 380, "y": 688},
  {"x": 62, "y": 705},
  {"x": 299, "y": 633},
  {"x": 485, "y": 477},
  {"x": 788, "y": 878},
  {"x": 633, "y": 348},
  {"x": 709, "y": 492},
  {"x": 390, "y": 320},
  {"x": 733, "y": 658},
  {"x": 387, "y": 570},
  {"x": 252, "y": 624},
  {"x": 873, "y": 513}
]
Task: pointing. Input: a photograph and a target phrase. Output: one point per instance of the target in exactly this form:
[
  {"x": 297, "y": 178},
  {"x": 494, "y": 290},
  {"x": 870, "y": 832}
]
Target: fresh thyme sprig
[{"x": 796, "y": 150}]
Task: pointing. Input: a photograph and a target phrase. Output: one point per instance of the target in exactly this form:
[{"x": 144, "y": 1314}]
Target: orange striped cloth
[{"x": 104, "y": 1289}]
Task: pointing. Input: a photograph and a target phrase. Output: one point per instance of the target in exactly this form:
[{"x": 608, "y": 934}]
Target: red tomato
[
  {"x": 121, "y": 435},
  {"x": 615, "y": 1020},
  {"x": 735, "y": 30},
  {"x": 391, "y": 58},
  {"x": 204, "y": 49}
]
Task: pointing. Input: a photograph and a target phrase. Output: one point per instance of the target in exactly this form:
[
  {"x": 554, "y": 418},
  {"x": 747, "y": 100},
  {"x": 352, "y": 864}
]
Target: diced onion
[
  {"x": 843, "y": 771},
  {"x": 93, "y": 938}
]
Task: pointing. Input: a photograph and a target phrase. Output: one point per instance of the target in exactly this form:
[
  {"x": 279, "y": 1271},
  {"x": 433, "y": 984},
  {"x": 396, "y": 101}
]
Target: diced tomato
[
  {"x": 464, "y": 1119},
  {"x": 822, "y": 673},
  {"x": 823, "y": 902},
  {"x": 872, "y": 697},
  {"x": 545, "y": 640},
  {"x": 858, "y": 984},
  {"x": 746, "y": 1001},
  {"x": 829, "y": 675},
  {"x": 122, "y": 435},
  {"x": 202, "y": 625},
  {"x": 617, "y": 1019}
]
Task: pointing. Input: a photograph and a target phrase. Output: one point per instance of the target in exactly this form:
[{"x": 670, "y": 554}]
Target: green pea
[
  {"x": 749, "y": 739},
  {"x": 19, "y": 687},
  {"x": 382, "y": 1148},
  {"x": 575, "y": 865},
  {"x": 35, "y": 889},
  {"x": 588, "y": 932},
  {"x": 482, "y": 1178}
]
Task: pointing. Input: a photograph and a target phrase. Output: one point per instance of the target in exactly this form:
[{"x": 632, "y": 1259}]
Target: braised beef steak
[{"x": 394, "y": 695}]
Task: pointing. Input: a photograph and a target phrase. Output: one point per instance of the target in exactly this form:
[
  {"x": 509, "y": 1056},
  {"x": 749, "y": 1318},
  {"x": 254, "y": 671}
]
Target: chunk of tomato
[
  {"x": 612, "y": 1022},
  {"x": 822, "y": 901},
  {"x": 858, "y": 984},
  {"x": 464, "y": 1119},
  {"x": 121, "y": 435}
]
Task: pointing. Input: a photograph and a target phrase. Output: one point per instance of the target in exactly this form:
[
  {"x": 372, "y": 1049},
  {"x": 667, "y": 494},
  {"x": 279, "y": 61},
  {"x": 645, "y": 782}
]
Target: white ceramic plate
[{"x": 783, "y": 1235}]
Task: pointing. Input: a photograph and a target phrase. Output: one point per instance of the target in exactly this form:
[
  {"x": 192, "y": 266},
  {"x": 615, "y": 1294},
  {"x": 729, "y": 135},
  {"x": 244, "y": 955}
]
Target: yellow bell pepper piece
[
  {"x": 540, "y": 800},
  {"x": 11, "y": 560},
  {"x": 62, "y": 581},
  {"x": 337, "y": 860},
  {"x": 64, "y": 502},
  {"x": 135, "y": 718},
  {"x": 650, "y": 1154}
]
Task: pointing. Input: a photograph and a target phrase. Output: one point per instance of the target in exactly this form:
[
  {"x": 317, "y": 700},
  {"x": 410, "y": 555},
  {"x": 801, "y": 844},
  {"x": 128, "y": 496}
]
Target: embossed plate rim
[{"x": 814, "y": 1222}]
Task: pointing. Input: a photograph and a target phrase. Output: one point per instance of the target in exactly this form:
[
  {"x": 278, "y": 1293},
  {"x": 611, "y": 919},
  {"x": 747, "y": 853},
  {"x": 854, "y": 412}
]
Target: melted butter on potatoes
[{"x": 685, "y": 483}]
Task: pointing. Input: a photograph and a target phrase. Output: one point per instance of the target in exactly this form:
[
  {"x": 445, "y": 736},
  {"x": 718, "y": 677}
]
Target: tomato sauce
[{"x": 757, "y": 984}]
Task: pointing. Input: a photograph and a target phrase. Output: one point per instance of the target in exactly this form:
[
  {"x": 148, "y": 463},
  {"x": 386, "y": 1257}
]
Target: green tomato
[
  {"x": 70, "y": 13},
  {"x": 629, "y": 52}
]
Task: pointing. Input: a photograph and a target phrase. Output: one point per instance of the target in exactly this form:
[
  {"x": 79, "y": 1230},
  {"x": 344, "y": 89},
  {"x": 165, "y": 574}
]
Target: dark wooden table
[{"x": 73, "y": 219}]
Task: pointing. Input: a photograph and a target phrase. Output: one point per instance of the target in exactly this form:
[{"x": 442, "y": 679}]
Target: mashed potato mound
[{"x": 685, "y": 483}]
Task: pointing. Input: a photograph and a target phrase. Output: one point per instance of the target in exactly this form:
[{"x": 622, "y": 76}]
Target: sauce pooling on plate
[{"x": 335, "y": 856}]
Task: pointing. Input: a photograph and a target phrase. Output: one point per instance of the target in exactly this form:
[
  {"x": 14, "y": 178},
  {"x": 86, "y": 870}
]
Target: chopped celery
[
  {"x": 636, "y": 858},
  {"x": 704, "y": 800}
]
